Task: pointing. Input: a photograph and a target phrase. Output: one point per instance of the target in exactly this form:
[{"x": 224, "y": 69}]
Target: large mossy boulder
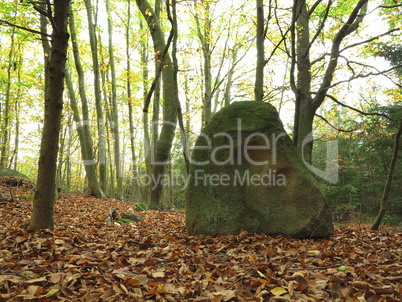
[
  {"x": 246, "y": 174},
  {"x": 7, "y": 172}
]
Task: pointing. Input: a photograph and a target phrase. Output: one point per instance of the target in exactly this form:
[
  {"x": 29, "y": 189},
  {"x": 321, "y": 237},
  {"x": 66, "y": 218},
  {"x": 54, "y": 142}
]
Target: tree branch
[
  {"x": 25, "y": 28},
  {"x": 332, "y": 126},
  {"x": 367, "y": 75},
  {"x": 371, "y": 39},
  {"x": 312, "y": 9},
  {"x": 320, "y": 28},
  {"x": 151, "y": 20},
  {"x": 357, "y": 110}
]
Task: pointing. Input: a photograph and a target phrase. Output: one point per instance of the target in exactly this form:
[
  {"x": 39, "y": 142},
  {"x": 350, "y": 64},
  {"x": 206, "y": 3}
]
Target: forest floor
[{"x": 157, "y": 260}]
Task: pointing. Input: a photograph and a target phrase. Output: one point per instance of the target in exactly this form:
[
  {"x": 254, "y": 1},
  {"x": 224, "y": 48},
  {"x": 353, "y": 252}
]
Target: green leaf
[
  {"x": 51, "y": 293},
  {"x": 342, "y": 268}
]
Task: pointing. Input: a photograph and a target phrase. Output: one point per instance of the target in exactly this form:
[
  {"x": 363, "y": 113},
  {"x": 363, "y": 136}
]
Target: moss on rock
[{"x": 246, "y": 173}]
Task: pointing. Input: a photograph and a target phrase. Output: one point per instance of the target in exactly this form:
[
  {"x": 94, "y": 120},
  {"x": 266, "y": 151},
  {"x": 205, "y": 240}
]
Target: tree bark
[
  {"x": 43, "y": 205},
  {"x": 98, "y": 98},
  {"x": 115, "y": 115},
  {"x": 259, "y": 73},
  {"x": 136, "y": 191},
  {"x": 204, "y": 35},
  {"x": 165, "y": 140},
  {"x": 147, "y": 146},
  {"x": 306, "y": 105},
  {"x": 83, "y": 127}
]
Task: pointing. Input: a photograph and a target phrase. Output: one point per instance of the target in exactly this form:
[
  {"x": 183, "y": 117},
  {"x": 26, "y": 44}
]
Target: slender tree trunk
[
  {"x": 17, "y": 120},
  {"x": 136, "y": 191},
  {"x": 165, "y": 140},
  {"x": 145, "y": 123},
  {"x": 83, "y": 127},
  {"x": 115, "y": 115},
  {"x": 43, "y": 205},
  {"x": 204, "y": 35},
  {"x": 62, "y": 142},
  {"x": 84, "y": 136},
  {"x": 68, "y": 160},
  {"x": 387, "y": 186},
  {"x": 259, "y": 74},
  {"x": 98, "y": 98},
  {"x": 157, "y": 95},
  {"x": 6, "y": 119},
  {"x": 17, "y": 133}
]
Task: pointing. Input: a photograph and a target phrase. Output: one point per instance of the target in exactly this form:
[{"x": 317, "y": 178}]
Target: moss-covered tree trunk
[
  {"x": 166, "y": 136},
  {"x": 43, "y": 205}
]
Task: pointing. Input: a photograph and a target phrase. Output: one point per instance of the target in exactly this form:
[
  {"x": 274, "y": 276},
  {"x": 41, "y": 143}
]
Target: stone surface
[
  {"x": 246, "y": 174},
  {"x": 4, "y": 172},
  {"x": 132, "y": 216}
]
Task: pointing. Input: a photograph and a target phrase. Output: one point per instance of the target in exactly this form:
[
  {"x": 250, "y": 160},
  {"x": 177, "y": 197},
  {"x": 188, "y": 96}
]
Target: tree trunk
[
  {"x": 43, "y": 205},
  {"x": 136, "y": 191},
  {"x": 387, "y": 186},
  {"x": 98, "y": 98},
  {"x": 157, "y": 96},
  {"x": 259, "y": 73},
  {"x": 6, "y": 119},
  {"x": 85, "y": 139},
  {"x": 165, "y": 140},
  {"x": 204, "y": 35},
  {"x": 115, "y": 116},
  {"x": 83, "y": 128},
  {"x": 305, "y": 105},
  {"x": 147, "y": 146}
]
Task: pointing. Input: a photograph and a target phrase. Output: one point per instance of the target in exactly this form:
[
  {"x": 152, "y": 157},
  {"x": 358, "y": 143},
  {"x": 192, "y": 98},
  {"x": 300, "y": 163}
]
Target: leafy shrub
[
  {"x": 140, "y": 207},
  {"x": 391, "y": 220}
]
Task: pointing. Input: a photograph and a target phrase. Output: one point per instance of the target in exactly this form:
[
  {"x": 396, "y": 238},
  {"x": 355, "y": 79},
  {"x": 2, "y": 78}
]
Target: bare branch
[
  {"x": 320, "y": 28},
  {"x": 389, "y": 6},
  {"x": 367, "y": 75},
  {"x": 25, "y": 28},
  {"x": 371, "y": 39},
  {"x": 332, "y": 126},
  {"x": 357, "y": 44},
  {"x": 312, "y": 9},
  {"x": 357, "y": 110}
]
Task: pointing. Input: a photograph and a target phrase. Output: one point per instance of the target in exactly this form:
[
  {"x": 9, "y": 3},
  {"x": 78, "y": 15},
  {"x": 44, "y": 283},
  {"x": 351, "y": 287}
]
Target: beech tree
[
  {"x": 310, "y": 93},
  {"x": 43, "y": 205},
  {"x": 164, "y": 143},
  {"x": 98, "y": 97},
  {"x": 83, "y": 127}
]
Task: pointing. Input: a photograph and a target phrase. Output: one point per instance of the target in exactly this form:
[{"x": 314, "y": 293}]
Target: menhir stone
[{"x": 247, "y": 174}]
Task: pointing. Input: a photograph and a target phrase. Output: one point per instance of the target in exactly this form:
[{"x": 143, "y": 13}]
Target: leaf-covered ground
[{"x": 157, "y": 260}]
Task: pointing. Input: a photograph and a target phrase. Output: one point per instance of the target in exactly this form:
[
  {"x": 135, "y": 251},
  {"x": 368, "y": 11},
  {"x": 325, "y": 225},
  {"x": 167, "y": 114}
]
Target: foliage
[
  {"x": 140, "y": 207},
  {"x": 83, "y": 259},
  {"x": 124, "y": 221},
  {"x": 364, "y": 156}
]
